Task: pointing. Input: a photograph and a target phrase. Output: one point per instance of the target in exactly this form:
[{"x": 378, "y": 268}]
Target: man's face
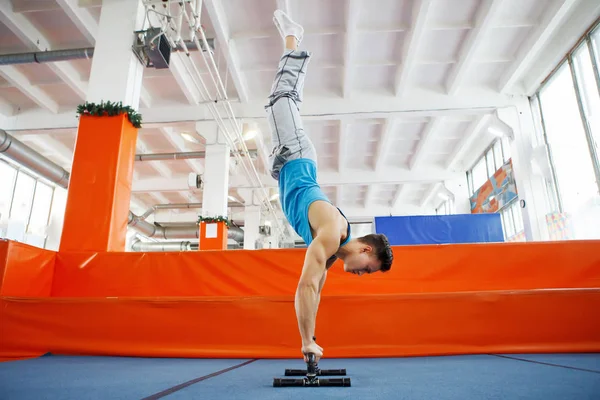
[{"x": 361, "y": 262}]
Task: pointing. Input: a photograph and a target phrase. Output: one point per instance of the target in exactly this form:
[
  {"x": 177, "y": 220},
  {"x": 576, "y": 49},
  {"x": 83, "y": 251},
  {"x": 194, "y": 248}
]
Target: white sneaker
[{"x": 287, "y": 27}]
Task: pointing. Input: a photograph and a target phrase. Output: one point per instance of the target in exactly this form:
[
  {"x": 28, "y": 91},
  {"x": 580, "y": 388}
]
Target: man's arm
[{"x": 309, "y": 288}]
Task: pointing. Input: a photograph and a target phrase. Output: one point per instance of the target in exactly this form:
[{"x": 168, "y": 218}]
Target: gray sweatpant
[{"x": 287, "y": 132}]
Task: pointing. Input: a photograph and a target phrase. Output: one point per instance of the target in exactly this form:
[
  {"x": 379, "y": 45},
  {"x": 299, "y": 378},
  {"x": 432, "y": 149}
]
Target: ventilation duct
[
  {"x": 29, "y": 158},
  {"x": 187, "y": 231},
  {"x": 66, "y": 55}
]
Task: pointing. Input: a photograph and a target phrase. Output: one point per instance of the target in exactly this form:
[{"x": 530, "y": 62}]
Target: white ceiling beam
[
  {"x": 362, "y": 213},
  {"x": 344, "y": 129},
  {"x": 183, "y": 78},
  {"x": 428, "y": 196},
  {"x": 89, "y": 3},
  {"x": 179, "y": 143},
  {"x": 69, "y": 75},
  {"x": 261, "y": 147},
  {"x": 81, "y": 17},
  {"x": 228, "y": 48},
  {"x": 555, "y": 14},
  {"x": 369, "y": 196},
  {"x": 400, "y": 192},
  {"x": 159, "y": 198},
  {"x": 352, "y": 8},
  {"x": 20, "y": 81},
  {"x": 431, "y": 129},
  {"x": 412, "y": 43},
  {"x": 384, "y": 142},
  {"x": 391, "y": 175},
  {"x": 51, "y": 148},
  {"x": 145, "y": 98},
  {"x": 158, "y": 166},
  {"x": 34, "y": 39},
  {"x": 28, "y": 6},
  {"x": 469, "y": 103},
  {"x": 486, "y": 13},
  {"x": 6, "y": 108},
  {"x": 467, "y": 140},
  {"x": 174, "y": 184}
]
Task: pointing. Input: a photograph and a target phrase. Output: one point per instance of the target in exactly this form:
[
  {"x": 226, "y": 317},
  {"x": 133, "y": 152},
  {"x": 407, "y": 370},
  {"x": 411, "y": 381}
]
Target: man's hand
[
  {"x": 322, "y": 247},
  {"x": 312, "y": 348}
]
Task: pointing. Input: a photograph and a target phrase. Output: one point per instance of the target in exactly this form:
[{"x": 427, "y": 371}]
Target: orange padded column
[
  {"x": 213, "y": 236},
  {"x": 100, "y": 185}
]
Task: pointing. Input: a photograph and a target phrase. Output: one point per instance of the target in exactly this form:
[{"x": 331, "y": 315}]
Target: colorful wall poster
[{"x": 496, "y": 192}]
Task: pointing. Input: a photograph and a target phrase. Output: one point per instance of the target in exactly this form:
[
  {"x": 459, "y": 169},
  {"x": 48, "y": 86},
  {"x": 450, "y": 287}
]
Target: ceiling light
[
  {"x": 276, "y": 195},
  {"x": 189, "y": 137}
]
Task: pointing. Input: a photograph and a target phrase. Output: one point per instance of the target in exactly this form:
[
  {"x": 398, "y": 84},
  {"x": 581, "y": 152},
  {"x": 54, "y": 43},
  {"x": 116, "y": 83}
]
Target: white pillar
[
  {"x": 251, "y": 224},
  {"x": 459, "y": 193},
  {"x": 530, "y": 187},
  {"x": 216, "y": 175},
  {"x": 116, "y": 73}
]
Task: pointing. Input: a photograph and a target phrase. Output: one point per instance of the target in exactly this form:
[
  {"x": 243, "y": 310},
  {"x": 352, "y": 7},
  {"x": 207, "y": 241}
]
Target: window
[
  {"x": 41, "y": 209},
  {"x": 567, "y": 139},
  {"x": 486, "y": 166},
  {"x": 506, "y": 149},
  {"x": 512, "y": 220},
  {"x": 595, "y": 45},
  {"x": 491, "y": 165},
  {"x": 7, "y": 183},
  {"x": 21, "y": 205},
  {"x": 498, "y": 154},
  {"x": 479, "y": 174},
  {"x": 588, "y": 93}
]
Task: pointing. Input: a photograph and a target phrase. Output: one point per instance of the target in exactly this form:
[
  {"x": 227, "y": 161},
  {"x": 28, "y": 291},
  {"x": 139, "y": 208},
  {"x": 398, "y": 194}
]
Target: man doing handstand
[{"x": 293, "y": 160}]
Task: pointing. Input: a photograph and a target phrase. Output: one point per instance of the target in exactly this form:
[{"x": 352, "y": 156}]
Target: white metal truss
[{"x": 172, "y": 25}]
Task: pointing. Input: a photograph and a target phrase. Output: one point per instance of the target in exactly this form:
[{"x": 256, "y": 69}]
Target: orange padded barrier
[
  {"x": 347, "y": 326},
  {"x": 417, "y": 269},
  {"x": 100, "y": 185},
  {"x": 25, "y": 270},
  {"x": 218, "y": 242}
]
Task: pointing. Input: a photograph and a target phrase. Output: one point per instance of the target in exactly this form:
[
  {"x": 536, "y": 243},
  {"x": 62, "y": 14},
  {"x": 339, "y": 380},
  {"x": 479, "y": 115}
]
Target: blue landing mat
[{"x": 453, "y": 377}]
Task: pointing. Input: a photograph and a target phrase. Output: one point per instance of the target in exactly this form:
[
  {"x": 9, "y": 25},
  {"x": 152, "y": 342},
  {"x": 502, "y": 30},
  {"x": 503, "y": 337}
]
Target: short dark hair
[{"x": 382, "y": 249}]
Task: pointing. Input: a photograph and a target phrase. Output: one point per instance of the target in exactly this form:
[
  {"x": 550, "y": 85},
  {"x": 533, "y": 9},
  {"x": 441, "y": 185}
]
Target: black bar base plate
[
  {"x": 319, "y": 372},
  {"x": 310, "y": 382}
]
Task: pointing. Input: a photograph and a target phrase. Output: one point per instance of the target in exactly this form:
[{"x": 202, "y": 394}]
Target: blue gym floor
[{"x": 510, "y": 376}]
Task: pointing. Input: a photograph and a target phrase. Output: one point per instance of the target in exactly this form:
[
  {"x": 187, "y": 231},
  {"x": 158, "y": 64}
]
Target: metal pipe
[
  {"x": 41, "y": 57},
  {"x": 175, "y": 206},
  {"x": 29, "y": 158},
  {"x": 46, "y": 56},
  {"x": 172, "y": 246},
  {"x": 138, "y": 245},
  {"x": 182, "y": 155}
]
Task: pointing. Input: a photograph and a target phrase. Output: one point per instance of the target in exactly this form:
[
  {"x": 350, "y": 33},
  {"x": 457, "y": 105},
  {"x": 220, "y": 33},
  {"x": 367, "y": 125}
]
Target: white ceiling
[{"x": 398, "y": 93}]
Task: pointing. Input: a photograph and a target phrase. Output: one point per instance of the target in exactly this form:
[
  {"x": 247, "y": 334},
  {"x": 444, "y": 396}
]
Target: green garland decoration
[
  {"x": 110, "y": 109},
  {"x": 214, "y": 219}
]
